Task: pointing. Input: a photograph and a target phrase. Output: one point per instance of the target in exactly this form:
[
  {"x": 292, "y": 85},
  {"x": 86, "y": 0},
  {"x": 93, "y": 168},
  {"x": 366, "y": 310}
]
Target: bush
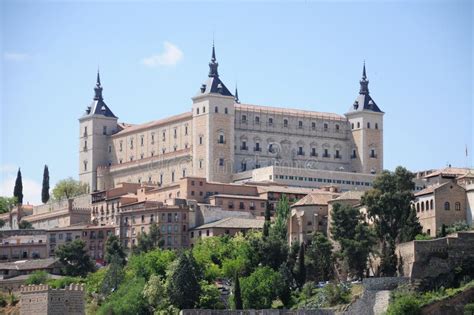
[
  {"x": 127, "y": 300},
  {"x": 469, "y": 309},
  {"x": 64, "y": 282},
  {"x": 37, "y": 277},
  {"x": 3, "y": 301},
  {"x": 423, "y": 237},
  {"x": 12, "y": 299},
  {"x": 404, "y": 305}
]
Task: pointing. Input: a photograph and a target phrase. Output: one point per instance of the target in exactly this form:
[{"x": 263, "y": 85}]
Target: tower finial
[
  {"x": 98, "y": 88},
  {"x": 364, "y": 75},
  {"x": 213, "y": 64},
  {"x": 364, "y": 83},
  {"x": 236, "y": 95}
]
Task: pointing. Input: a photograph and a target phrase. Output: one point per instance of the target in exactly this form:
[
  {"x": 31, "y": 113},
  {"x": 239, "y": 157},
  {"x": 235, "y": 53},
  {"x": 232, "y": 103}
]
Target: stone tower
[
  {"x": 97, "y": 123},
  {"x": 366, "y": 122},
  {"x": 213, "y": 128}
]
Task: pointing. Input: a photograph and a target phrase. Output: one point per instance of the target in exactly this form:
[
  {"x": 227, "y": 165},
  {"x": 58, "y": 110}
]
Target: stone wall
[
  {"x": 257, "y": 312},
  {"x": 41, "y": 299}
]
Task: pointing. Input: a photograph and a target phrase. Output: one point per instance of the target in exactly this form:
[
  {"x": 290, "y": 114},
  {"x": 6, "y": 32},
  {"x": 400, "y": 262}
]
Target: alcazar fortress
[{"x": 222, "y": 140}]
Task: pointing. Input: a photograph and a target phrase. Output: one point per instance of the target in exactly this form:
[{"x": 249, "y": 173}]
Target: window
[
  {"x": 221, "y": 162},
  {"x": 325, "y": 126},
  {"x": 417, "y": 207},
  {"x": 200, "y": 139},
  {"x": 197, "y": 111},
  {"x": 85, "y": 165},
  {"x": 354, "y": 154},
  {"x": 285, "y": 123},
  {"x": 337, "y": 127},
  {"x": 257, "y": 120},
  {"x": 152, "y": 138},
  {"x": 85, "y": 145},
  {"x": 352, "y": 126},
  {"x": 244, "y": 118},
  {"x": 270, "y": 148},
  {"x": 313, "y": 125},
  {"x": 372, "y": 153},
  {"x": 431, "y": 204},
  {"x": 326, "y": 154},
  {"x": 427, "y": 205},
  {"x": 216, "y": 109},
  {"x": 203, "y": 109},
  {"x": 243, "y": 166},
  {"x": 184, "y": 173},
  {"x": 164, "y": 135},
  {"x": 121, "y": 145},
  {"x": 172, "y": 176},
  {"x": 200, "y": 163},
  {"x": 104, "y": 130},
  {"x": 447, "y": 206},
  {"x": 338, "y": 156},
  {"x": 457, "y": 206},
  {"x": 313, "y": 152},
  {"x": 141, "y": 140},
  {"x": 241, "y": 205},
  {"x": 221, "y": 139},
  {"x": 161, "y": 178},
  {"x": 300, "y": 151},
  {"x": 422, "y": 206},
  {"x": 175, "y": 133},
  {"x": 376, "y": 126},
  {"x": 270, "y": 121},
  {"x": 226, "y": 111},
  {"x": 85, "y": 131},
  {"x": 186, "y": 130},
  {"x": 300, "y": 124},
  {"x": 244, "y": 146},
  {"x": 358, "y": 124},
  {"x": 368, "y": 125},
  {"x": 257, "y": 147}
]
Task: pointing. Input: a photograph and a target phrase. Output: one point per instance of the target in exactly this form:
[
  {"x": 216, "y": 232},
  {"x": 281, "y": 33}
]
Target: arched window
[
  {"x": 352, "y": 126},
  {"x": 422, "y": 206},
  {"x": 368, "y": 125},
  {"x": 244, "y": 118},
  {"x": 325, "y": 126},
  {"x": 376, "y": 126},
  {"x": 427, "y": 205},
  {"x": 203, "y": 109},
  {"x": 197, "y": 111},
  {"x": 300, "y": 124},
  {"x": 447, "y": 206},
  {"x": 431, "y": 204},
  {"x": 285, "y": 122},
  {"x": 417, "y": 207},
  {"x": 216, "y": 109},
  {"x": 457, "y": 206}
]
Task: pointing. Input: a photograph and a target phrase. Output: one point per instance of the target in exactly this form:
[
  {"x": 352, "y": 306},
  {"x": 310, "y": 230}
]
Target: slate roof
[
  {"x": 430, "y": 189},
  {"x": 363, "y": 100},
  {"x": 213, "y": 84},
  {"x": 350, "y": 195},
  {"x": 98, "y": 106}
]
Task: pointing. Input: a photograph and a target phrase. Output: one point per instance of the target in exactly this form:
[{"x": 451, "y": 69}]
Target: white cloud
[
  {"x": 169, "y": 57},
  {"x": 15, "y": 56},
  {"x": 31, "y": 188}
]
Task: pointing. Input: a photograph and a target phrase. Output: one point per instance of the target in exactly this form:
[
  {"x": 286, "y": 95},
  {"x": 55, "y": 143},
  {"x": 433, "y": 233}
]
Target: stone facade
[
  {"x": 41, "y": 299},
  {"x": 221, "y": 137},
  {"x": 23, "y": 244}
]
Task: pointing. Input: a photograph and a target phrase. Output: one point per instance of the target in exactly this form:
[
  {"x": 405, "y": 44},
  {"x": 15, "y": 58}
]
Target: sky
[{"x": 153, "y": 57}]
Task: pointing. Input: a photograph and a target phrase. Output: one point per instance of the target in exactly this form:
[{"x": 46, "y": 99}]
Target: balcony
[
  {"x": 244, "y": 148},
  {"x": 300, "y": 153},
  {"x": 257, "y": 149}
]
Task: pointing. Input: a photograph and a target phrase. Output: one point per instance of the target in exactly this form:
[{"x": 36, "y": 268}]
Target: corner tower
[
  {"x": 366, "y": 121},
  {"x": 213, "y": 128},
  {"x": 97, "y": 123}
]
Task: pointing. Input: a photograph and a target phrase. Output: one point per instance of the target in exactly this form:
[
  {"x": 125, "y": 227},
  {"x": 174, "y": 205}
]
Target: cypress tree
[
  {"x": 182, "y": 286},
  {"x": 237, "y": 293},
  {"x": 45, "y": 189},
  {"x": 300, "y": 273},
  {"x": 18, "y": 190},
  {"x": 266, "y": 225}
]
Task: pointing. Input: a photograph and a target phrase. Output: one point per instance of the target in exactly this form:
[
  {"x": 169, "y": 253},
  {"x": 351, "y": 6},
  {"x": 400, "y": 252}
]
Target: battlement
[{"x": 42, "y": 299}]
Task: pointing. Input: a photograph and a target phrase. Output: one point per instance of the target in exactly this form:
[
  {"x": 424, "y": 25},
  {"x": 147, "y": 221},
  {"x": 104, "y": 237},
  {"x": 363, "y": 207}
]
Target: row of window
[
  {"x": 324, "y": 180},
  {"x": 243, "y": 119},
  {"x": 165, "y": 217},
  {"x": 216, "y": 110},
  {"x": 368, "y": 125},
  {"x": 428, "y": 205}
]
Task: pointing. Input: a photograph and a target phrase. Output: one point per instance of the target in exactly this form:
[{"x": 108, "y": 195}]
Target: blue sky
[{"x": 153, "y": 57}]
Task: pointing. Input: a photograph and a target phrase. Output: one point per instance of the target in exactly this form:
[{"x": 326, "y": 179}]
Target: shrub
[
  {"x": 3, "y": 301},
  {"x": 469, "y": 309},
  {"x": 37, "y": 277},
  {"x": 405, "y": 304}
]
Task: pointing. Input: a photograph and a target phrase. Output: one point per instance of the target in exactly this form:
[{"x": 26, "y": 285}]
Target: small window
[
  {"x": 337, "y": 127},
  {"x": 172, "y": 176},
  {"x": 257, "y": 120},
  {"x": 226, "y": 111},
  {"x": 221, "y": 162},
  {"x": 244, "y": 118},
  {"x": 85, "y": 165},
  {"x": 216, "y": 109},
  {"x": 104, "y": 130},
  {"x": 457, "y": 206},
  {"x": 376, "y": 126},
  {"x": 358, "y": 124},
  {"x": 197, "y": 111},
  {"x": 200, "y": 139},
  {"x": 300, "y": 124},
  {"x": 203, "y": 109},
  {"x": 352, "y": 126},
  {"x": 431, "y": 204},
  {"x": 270, "y": 121},
  {"x": 285, "y": 123},
  {"x": 186, "y": 130},
  {"x": 354, "y": 154},
  {"x": 368, "y": 125},
  {"x": 447, "y": 206},
  {"x": 325, "y": 126},
  {"x": 313, "y": 125}
]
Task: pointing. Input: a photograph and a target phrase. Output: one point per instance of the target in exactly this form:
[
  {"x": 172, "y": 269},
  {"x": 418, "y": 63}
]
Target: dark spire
[
  {"x": 236, "y": 95},
  {"x": 364, "y": 83},
  {"x": 213, "y": 64},
  {"x": 98, "y": 89}
]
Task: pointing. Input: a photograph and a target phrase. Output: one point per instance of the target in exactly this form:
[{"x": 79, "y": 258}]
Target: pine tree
[
  {"x": 182, "y": 286},
  {"x": 237, "y": 293},
  {"x": 45, "y": 189},
  {"x": 18, "y": 190}
]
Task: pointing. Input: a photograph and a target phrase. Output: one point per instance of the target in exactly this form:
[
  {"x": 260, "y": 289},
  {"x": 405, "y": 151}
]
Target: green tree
[
  {"x": 319, "y": 258},
  {"x": 147, "y": 242},
  {"x": 127, "y": 300},
  {"x": 45, "y": 187},
  {"x": 37, "y": 277},
  {"x": 210, "y": 297},
  {"x": 389, "y": 206},
  {"x": 114, "y": 275},
  {"x": 75, "y": 259},
  {"x": 2, "y": 223},
  {"x": 7, "y": 203},
  {"x": 113, "y": 248},
  {"x": 286, "y": 286},
  {"x": 18, "y": 189},
  {"x": 68, "y": 188},
  {"x": 443, "y": 232},
  {"x": 237, "y": 293},
  {"x": 266, "y": 225},
  {"x": 272, "y": 251},
  {"x": 182, "y": 285},
  {"x": 260, "y": 288},
  {"x": 279, "y": 227},
  {"x": 354, "y": 236},
  {"x": 25, "y": 225},
  {"x": 155, "y": 292},
  {"x": 300, "y": 269}
]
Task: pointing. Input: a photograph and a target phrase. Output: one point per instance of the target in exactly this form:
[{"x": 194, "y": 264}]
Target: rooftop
[
  {"x": 316, "y": 198},
  {"x": 29, "y": 264},
  {"x": 233, "y": 223},
  {"x": 350, "y": 195}
]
